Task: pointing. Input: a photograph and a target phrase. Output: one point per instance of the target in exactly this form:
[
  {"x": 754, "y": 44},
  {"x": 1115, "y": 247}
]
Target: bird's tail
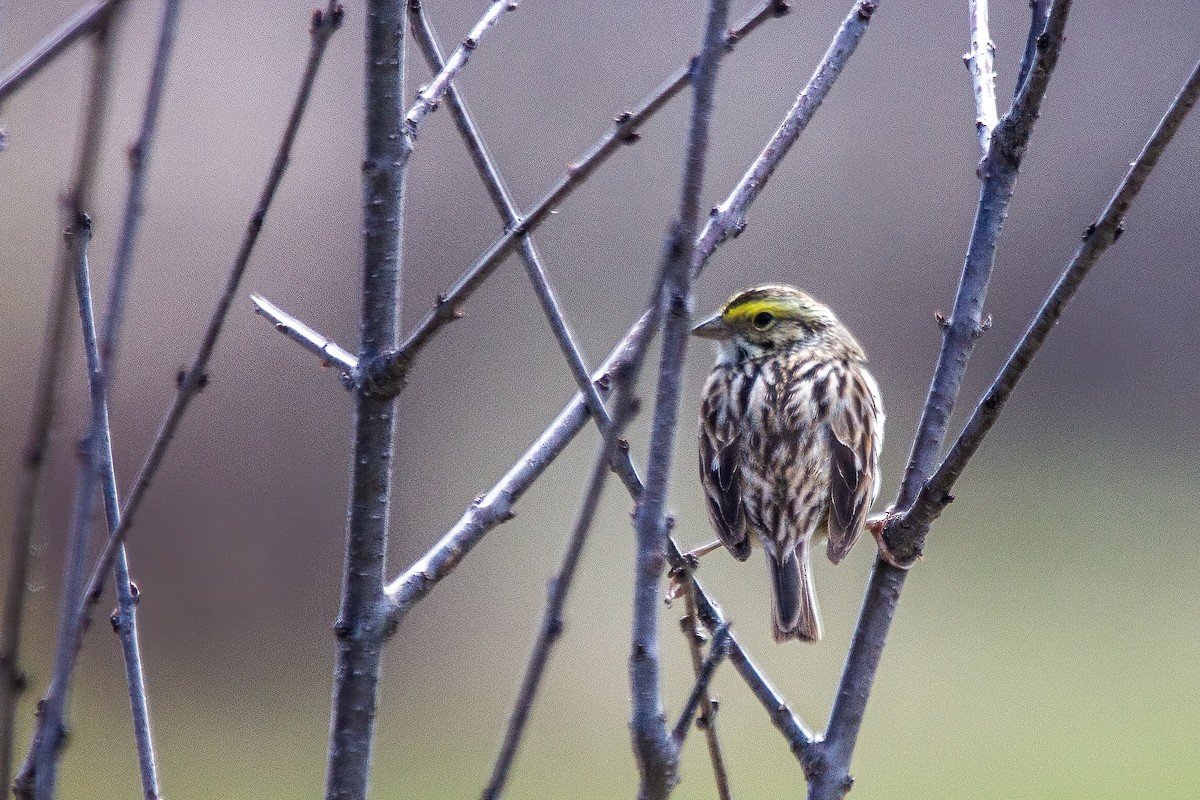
[{"x": 794, "y": 610}]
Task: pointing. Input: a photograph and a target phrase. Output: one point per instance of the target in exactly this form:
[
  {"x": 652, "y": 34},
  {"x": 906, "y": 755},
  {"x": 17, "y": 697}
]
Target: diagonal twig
[
  {"x": 690, "y": 625},
  {"x": 393, "y": 368},
  {"x": 935, "y": 495},
  {"x": 729, "y": 217},
  {"x": 998, "y": 172},
  {"x": 431, "y": 95},
  {"x": 484, "y": 164},
  {"x": 704, "y": 673},
  {"x": 331, "y": 353},
  {"x": 82, "y": 23},
  {"x": 552, "y": 618}
]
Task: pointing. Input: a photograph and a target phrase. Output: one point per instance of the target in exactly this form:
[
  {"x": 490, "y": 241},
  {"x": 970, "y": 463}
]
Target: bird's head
[{"x": 771, "y": 319}]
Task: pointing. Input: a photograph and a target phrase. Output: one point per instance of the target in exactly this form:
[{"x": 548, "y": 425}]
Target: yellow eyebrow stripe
[{"x": 751, "y": 308}]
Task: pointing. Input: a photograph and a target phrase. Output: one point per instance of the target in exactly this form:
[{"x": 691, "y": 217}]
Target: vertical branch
[
  {"x": 41, "y": 770},
  {"x": 998, "y": 172},
  {"x": 124, "y": 618},
  {"x": 361, "y": 626},
  {"x": 46, "y": 394},
  {"x": 656, "y": 751},
  {"x": 708, "y": 704}
]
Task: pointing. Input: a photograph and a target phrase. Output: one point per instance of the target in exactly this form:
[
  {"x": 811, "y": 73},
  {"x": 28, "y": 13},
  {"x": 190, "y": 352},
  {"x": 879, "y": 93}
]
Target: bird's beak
[{"x": 713, "y": 328}]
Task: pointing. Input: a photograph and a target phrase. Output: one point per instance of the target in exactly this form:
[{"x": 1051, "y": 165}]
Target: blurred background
[{"x": 1046, "y": 647}]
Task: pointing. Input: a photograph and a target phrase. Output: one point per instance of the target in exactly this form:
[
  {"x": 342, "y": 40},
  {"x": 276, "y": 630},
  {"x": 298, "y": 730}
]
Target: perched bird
[{"x": 791, "y": 425}]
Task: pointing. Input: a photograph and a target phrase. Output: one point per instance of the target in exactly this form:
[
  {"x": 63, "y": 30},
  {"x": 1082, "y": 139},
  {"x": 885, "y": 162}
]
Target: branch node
[{"x": 865, "y": 10}]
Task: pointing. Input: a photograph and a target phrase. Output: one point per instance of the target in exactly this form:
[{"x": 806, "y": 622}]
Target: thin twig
[
  {"x": 124, "y": 618},
  {"x": 998, "y": 172},
  {"x": 40, "y": 771},
  {"x": 729, "y": 217},
  {"x": 331, "y": 353},
  {"x": 486, "y": 166},
  {"x": 704, "y": 674},
  {"x": 86, "y": 21},
  {"x": 657, "y": 753},
  {"x": 139, "y": 162},
  {"x": 393, "y": 368},
  {"x": 431, "y": 95},
  {"x": 1039, "y": 11},
  {"x": 708, "y": 705},
  {"x": 495, "y": 506},
  {"x": 361, "y": 627},
  {"x": 552, "y": 619},
  {"x": 1107, "y": 228},
  {"x": 87, "y": 165},
  {"x": 194, "y": 379},
  {"x": 980, "y": 60}
]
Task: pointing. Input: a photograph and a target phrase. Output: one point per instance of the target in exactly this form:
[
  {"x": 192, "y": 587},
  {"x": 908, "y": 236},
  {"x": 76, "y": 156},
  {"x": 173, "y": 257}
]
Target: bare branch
[
  {"x": 495, "y": 506},
  {"x": 980, "y": 61},
  {"x": 1039, "y": 14},
  {"x": 696, "y": 637},
  {"x": 998, "y": 172},
  {"x": 86, "y": 21},
  {"x": 431, "y": 95},
  {"x": 46, "y": 404},
  {"x": 194, "y": 378},
  {"x": 552, "y": 619},
  {"x": 704, "y": 674},
  {"x": 40, "y": 772},
  {"x": 423, "y": 33},
  {"x": 729, "y": 217},
  {"x": 393, "y": 368},
  {"x": 139, "y": 162},
  {"x": 331, "y": 352},
  {"x": 361, "y": 627},
  {"x": 656, "y": 751},
  {"x": 1107, "y": 228}
]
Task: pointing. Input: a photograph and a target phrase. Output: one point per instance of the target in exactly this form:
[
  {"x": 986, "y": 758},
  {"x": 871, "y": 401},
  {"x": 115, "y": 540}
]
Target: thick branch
[
  {"x": 361, "y": 625},
  {"x": 657, "y": 752}
]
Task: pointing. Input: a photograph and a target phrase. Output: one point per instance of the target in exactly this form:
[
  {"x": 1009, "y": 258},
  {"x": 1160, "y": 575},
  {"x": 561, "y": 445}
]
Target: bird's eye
[{"x": 763, "y": 320}]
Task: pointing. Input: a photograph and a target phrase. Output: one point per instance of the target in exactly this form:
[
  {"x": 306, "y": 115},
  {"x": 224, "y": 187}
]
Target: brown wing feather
[
  {"x": 719, "y": 475},
  {"x": 854, "y": 454}
]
